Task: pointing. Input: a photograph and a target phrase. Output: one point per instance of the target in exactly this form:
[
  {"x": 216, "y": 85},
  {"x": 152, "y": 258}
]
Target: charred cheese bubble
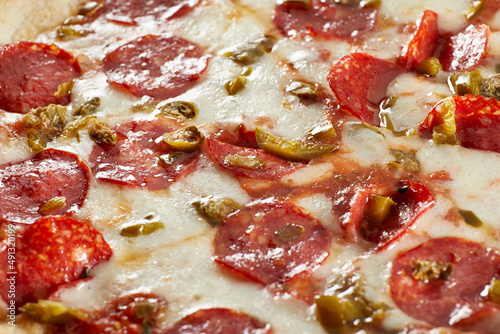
[{"x": 247, "y": 161}]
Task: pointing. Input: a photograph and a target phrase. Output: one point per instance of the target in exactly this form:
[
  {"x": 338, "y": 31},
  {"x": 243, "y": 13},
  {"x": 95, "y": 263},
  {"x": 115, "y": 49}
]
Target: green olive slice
[
  {"x": 430, "y": 67},
  {"x": 325, "y": 130},
  {"x": 64, "y": 89},
  {"x": 52, "y": 205},
  {"x": 379, "y": 208},
  {"x": 141, "y": 229},
  {"x": 445, "y": 132},
  {"x": 292, "y": 150},
  {"x": 215, "y": 210},
  {"x": 52, "y": 312},
  {"x": 494, "y": 291},
  {"x": 427, "y": 270},
  {"x": 102, "y": 134},
  {"x": 179, "y": 109},
  {"x": 187, "y": 139},
  {"x": 465, "y": 83},
  {"x": 89, "y": 107},
  {"x": 470, "y": 218},
  {"x": 475, "y": 10},
  {"x": 303, "y": 90},
  {"x": 236, "y": 85}
]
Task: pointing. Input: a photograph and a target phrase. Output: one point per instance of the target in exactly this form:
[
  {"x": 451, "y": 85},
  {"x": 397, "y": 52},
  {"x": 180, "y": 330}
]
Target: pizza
[{"x": 250, "y": 166}]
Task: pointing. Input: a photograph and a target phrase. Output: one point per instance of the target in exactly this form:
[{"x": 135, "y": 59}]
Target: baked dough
[{"x": 24, "y": 19}]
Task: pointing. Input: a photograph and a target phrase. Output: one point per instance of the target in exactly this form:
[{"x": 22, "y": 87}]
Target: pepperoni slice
[
  {"x": 219, "y": 320},
  {"x": 139, "y": 159},
  {"x": 30, "y": 74},
  {"x": 325, "y": 19},
  {"x": 129, "y": 11},
  {"x": 51, "y": 252},
  {"x": 423, "y": 43},
  {"x": 466, "y": 49},
  {"x": 270, "y": 242},
  {"x": 269, "y": 168},
  {"x": 456, "y": 300},
  {"x": 476, "y": 118},
  {"x": 28, "y": 187},
  {"x": 411, "y": 200},
  {"x": 360, "y": 81},
  {"x": 132, "y": 314},
  {"x": 160, "y": 67}
]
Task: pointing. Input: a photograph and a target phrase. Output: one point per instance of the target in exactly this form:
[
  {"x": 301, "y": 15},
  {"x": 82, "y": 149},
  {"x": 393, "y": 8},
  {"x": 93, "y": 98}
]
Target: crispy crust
[{"x": 24, "y": 19}]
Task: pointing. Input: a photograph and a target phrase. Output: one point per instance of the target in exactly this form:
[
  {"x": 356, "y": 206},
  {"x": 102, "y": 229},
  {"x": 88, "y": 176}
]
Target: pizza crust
[{"x": 25, "y": 19}]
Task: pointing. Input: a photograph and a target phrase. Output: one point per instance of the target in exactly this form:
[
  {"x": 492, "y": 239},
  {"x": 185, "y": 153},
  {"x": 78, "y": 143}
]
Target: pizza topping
[
  {"x": 39, "y": 185},
  {"x": 471, "y": 120},
  {"x": 236, "y": 85},
  {"x": 387, "y": 217},
  {"x": 361, "y": 96},
  {"x": 52, "y": 205},
  {"x": 466, "y": 49},
  {"x": 406, "y": 160},
  {"x": 326, "y": 19},
  {"x": 466, "y": 83},
  {"x": 219, "y": 320},
  {"x": 470, "y": 218},
  {"x": 429, "y": 67},
  {"x": 44, "y": 124},
  {"x": 64, "y": 89},
  {"x": 215, "y": 210},
  {"x": 187, "y": 139},
  {"x": 303, "y": 90},
  {"x": 102, "y": 134},
  {"x": 160, "y": 67},
  {"x": 490, "y": 87},
  {"x": 427, "y": 270},
  {"x": 246, "y": 162},
  {"x": 179, "y": 109},
  {"x": 292, "y": 150},
  {"x": 494, "y": 291},
  {"x": 322, "y": 131},
  {"x": 138, "y": 157},
  {"x": 31, "y": 74},
  {"x": 452, "y": 277},
  {"x": 423, "y": 43},
  {"x": 141, "y": 229},
  {"x": 475, "y": 10},
  {"x": 269, "y": 242},
  {"x": 48, "y": 311},
  {"x": 53, "y": 251},
  {"x": 88, "y": 108}
]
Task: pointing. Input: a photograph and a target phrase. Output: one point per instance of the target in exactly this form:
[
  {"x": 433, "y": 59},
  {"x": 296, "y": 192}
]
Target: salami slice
[
  {"x": 139, "y": 158},
  {"x": 269, "y": 242},
  {"x": 423, "y": 43},
  {"x": 31, "y": 73},
  {"x": 219, "y": 320},
  {"x": 360, "y": 81},
  {"x": 466, "y": 49},
  {"x": 52, "y": 182},
  {"x": 51, "y": 252},
  {"x": 160, "y": 67},
  {"x": 249, "y": 162},
  {"x": 129, "y": 11},
  {"x": 325, "y": 19},
  {"x": 455, "y": 299},
  {"x": 477, "y": 122},
  {"x": 135, "y": 314}
]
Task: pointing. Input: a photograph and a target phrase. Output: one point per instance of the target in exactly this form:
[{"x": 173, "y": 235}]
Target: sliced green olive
[
  {"x": 470, "y": 218},
  {"x": 303, "y": 90},
  {"x": 52, "y": 312},
  {"x": 430, "y": 67},
  {"x": 386, "y": 121},
  {"x": 88, "y": 107},
  {"x": 144, "y": 310},
  {"x": 494, "y": 291},
  {"x": 296, "y": 4},
  {"x": 145, "y": 104},
  {"x": 407, "y": 160},
  {"x": 187, "y": 139},
  {"x": 179, "y": 109},
  {"x": 292, "y": 150},
  {"x": 72, "y": 129},
  {"x": 389, "y": 102},
  {"x": 215, "y": 210},
  {"x": 324, "y": 130},
  {"x": 267, "y": 42},
  {"x": 491, "y": 87},
  {"x": 475, "y": 10},
  {"x": 64, "y": 89},
  {"x": 465, "y": 83},
  {"x": 427, "y": 270},
  {"x": 90, "y": 8},
  {"x": 52, "y": 205},
  {"x": 102, "y": 134},
  {"x": 141, "y": 229},
  {"x": 236, "y": 85},
  {"x": 379, "y": 208},
  {"x": 360, "y": 3},
  {"x": 246, "y": 54},
  {"x": 246, "y": 161},
  {"x": 445, "y": 131},
  {"x": 290, "y": 232},
  {"x": 67, "y": 31}
]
